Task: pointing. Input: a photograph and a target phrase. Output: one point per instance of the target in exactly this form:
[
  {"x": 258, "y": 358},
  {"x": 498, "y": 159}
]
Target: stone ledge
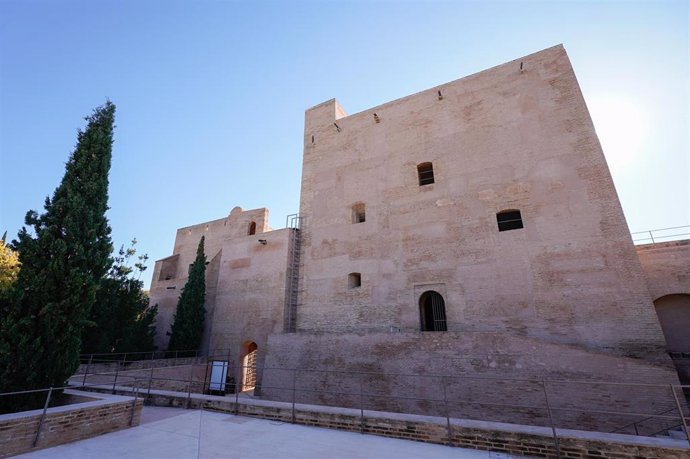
[
  {"x": 64, "y": 424},
  {"x": 533, "y": 441}
]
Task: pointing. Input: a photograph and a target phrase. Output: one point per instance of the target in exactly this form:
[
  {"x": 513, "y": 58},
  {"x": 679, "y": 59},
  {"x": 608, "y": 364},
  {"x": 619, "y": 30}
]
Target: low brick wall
[
  {"x": 489, "y": 436},
  {"x": 65, "y": 424}
]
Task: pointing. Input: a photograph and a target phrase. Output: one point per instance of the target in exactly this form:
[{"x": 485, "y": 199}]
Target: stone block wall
[
  {"x": 67, "y": 423},
  {"x": 514, "y": 137},
  {"x": 485, "y": 376},
  {"x": 170, "y": 274}
]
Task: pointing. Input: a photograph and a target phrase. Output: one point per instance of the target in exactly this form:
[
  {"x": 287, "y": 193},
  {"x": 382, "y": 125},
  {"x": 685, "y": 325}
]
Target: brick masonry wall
[
  {"x": 666, "y": 266},
  {"x": 488, "y": 376},
  {"x": 512, "y": 439},
  {"x": 165, "y": 292},
  {"x": 667, "y": 269},
  {"x": 66, "y": 424},
  {"x": 511, "y": 137}
]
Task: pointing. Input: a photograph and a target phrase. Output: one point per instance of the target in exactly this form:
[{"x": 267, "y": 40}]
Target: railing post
[
  {"x": 361, "y": 406},
  {"x": 134, "y": 402},
  {"x": 148, "y": 392},
  {"x": 680, "y": 412},
  {"x": 238, "y": 387},
  {"x": 445, "y": 405},
  {"x": 553, "y": 428},
  {"x": 189, "y": 385},
  {"x": 294, "y": 390},
  {"x": 43, "y": 417},
  {"x": 117, "y": 369},
  {"x": 83, "y": 383},
  {"x": 651, "y": 237}
]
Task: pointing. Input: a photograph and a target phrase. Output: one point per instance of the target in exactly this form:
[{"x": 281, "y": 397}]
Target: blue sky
[{"x": 211, "y": 94}]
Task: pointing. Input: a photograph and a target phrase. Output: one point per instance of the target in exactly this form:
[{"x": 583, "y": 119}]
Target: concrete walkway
[{"x": 167, "y": 433}]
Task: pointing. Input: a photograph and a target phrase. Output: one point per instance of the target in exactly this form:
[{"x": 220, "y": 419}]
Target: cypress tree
[
  {"x": 188, "y": 324},
  {"x": 62, "y": 262}
]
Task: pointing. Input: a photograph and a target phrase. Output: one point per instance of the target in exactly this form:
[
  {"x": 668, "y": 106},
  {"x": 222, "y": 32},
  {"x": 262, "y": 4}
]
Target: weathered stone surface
[{"x": 565, "y": 296}]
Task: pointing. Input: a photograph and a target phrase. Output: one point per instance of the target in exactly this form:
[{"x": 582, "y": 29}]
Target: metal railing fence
[
  {"x": 661, "y": 235},
  {"x": 136, "y": 356},
  {"x": 614, "y": 407},
  {"x": 50, "y": 397}
]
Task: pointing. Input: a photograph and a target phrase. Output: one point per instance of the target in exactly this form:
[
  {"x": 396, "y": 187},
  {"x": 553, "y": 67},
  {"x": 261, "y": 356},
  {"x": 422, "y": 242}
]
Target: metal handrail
[
  {"x": 661, "y": 236},
  {"x": 130, "y": 380},
  {"x": 643, "y": 420}
]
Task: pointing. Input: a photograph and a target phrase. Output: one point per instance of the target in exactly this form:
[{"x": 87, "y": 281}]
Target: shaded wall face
[
  {"x": 666, "y": 267},
  {"x": 250, "y": 294},
  {"x": 674, "y": 317},
  {"x": 501, "y": 139}
]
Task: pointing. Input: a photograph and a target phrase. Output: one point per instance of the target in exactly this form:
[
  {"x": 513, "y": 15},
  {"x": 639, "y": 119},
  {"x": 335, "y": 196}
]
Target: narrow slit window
[
  {"x": 252, "y": 229},
  {"x": 425, "y": 172},
  {"x": 509, "y": 220},
  {"x": 354, "y": 280},
  {"x": 359, "y": 213}
]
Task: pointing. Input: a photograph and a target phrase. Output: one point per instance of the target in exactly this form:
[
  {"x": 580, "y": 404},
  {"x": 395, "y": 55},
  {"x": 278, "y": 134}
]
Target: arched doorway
[
  {"x": 432, "y": 312},
  {"x": 674, "y": 316},
  {"x": 249, "y": 366}
]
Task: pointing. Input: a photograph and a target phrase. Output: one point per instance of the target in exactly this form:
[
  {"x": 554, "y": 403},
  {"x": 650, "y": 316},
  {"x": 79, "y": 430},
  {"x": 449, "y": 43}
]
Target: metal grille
[{"x": 433, "y": 312}]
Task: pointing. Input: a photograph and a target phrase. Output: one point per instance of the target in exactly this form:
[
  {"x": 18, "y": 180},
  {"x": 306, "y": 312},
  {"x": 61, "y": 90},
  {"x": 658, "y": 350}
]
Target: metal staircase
[{"x": 293, "y": 223}]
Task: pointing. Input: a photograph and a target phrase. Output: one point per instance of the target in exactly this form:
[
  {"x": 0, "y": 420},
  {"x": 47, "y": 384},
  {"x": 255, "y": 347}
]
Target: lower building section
[{"x": 483, "y": 376}]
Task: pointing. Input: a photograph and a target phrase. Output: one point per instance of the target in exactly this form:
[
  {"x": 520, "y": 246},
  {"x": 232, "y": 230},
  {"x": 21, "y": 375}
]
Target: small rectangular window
[
  {"x": 358, "y": 213},
  {"x": 509, "y": 220},
  {"x": 425, "y": 172},
  {"x": 354, "y": 280}
]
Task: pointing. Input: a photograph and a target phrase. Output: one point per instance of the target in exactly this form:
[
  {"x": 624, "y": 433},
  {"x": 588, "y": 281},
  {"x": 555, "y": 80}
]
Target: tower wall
[{"x": 517, "y": 136}]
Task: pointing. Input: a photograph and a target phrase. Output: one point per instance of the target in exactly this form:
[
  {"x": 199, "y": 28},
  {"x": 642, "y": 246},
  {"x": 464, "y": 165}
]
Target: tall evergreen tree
[
  {"x": 121, "y": 319},
  {"x": 62, "y": 263},
  {"x": 188, "y": 324}
]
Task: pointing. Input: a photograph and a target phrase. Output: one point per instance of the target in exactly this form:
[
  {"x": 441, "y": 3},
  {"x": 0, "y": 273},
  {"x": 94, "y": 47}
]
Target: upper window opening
[
  {"x": 432, "y": 312},
  {"x": 168, "y": 268},
  {"x": 358, "y": 213},
  {"x": 354, "y": 280},
  {"x": 252, "y": 228},
  {"x": 509, "y": 220},
  {"x": 425, "y": 172}
]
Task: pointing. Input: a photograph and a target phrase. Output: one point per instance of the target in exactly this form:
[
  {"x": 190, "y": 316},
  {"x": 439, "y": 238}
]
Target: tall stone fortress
[{"x": 470, "y": 230}]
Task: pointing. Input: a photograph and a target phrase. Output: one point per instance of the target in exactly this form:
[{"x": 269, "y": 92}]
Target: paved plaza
[{"x": 174, "y": 433}]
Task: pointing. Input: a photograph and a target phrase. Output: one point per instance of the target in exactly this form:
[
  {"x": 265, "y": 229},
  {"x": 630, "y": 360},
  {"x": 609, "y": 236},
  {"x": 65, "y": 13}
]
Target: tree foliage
[
  {"x": 121, "y": 319},
  {"x": 64, "y": 254},
  {"x": 187, "y": 329},
  {"x": 9, "y": 268}
]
